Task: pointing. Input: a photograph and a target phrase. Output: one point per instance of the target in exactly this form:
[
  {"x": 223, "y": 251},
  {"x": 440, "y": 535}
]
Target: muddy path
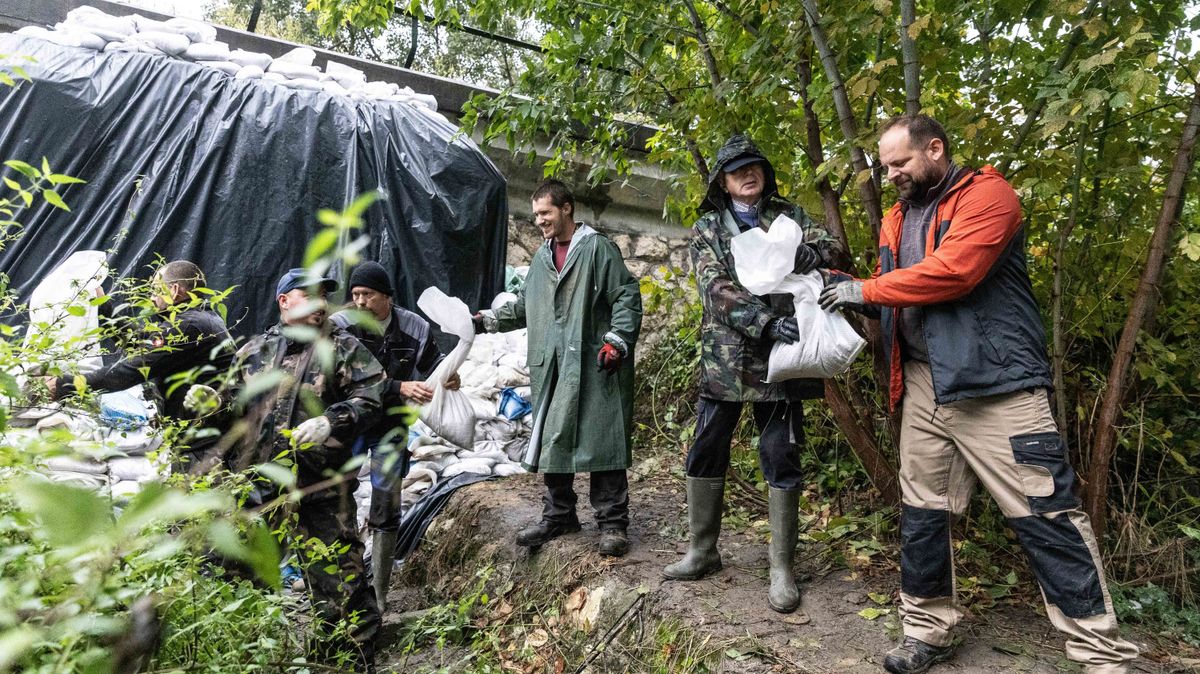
[{"x": 566, "y": 609}]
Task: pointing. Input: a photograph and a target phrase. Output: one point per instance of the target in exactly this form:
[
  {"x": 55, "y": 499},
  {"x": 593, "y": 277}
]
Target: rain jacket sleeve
[{"x": 724, "y": 298}]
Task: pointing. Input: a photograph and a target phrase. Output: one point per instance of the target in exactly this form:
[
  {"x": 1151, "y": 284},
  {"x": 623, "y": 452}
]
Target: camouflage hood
[{"x": 736, "y": 147}]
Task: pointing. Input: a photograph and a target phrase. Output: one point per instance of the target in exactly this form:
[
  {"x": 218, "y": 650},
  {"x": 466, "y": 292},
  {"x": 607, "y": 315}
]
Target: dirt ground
[{"x": 827, "y": 634}]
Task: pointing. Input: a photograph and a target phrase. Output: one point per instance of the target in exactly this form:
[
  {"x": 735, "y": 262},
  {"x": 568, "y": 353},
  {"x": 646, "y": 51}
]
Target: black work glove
[
  {"x": 477, "y": 320},
  {"x": 785, "y": 330},
  {"x": 807, "y": 258}
]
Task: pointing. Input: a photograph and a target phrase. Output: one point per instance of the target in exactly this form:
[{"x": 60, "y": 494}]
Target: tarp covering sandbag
[{"x": 192, "y": 163}]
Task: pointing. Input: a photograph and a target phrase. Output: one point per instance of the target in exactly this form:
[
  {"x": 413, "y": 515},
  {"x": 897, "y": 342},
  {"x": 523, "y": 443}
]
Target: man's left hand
[
  {"x": 416, "y": 391},
  {"x": 315, "y": 431},
  {"x": 609, "y": 358},
  {"x": 847, "y": 294},
  {"x": 454, "y": 382}
]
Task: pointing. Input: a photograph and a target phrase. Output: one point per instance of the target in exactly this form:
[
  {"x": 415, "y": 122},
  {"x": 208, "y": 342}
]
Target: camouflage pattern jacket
[
  {"x": 734, "y": 353},
  {"x": 346, "y": 387}
]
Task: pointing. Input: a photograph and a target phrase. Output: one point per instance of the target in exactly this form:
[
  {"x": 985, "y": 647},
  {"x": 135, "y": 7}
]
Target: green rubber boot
[{"x": 705, "y": 496}]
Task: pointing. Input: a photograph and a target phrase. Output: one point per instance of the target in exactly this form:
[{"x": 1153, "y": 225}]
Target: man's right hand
[
  {"x": 477, "y": 320},
  {"x": 416, "y": 391},
  {"x": 785, "y": 330}
]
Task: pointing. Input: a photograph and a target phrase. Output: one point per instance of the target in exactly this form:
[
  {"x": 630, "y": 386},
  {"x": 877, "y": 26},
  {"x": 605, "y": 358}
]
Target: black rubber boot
[
  {"x": 613, "y": 542},
  {"x": 783, "y": 514},
  {"x": 543, "y": 532},
  {"x": 383, "y": 551},
  {"x": 705, "y": 496},
  {"x": 913, "y": 656}
]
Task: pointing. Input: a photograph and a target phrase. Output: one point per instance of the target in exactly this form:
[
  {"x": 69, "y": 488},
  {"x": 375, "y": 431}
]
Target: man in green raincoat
[{"x": 584, "y": 310}]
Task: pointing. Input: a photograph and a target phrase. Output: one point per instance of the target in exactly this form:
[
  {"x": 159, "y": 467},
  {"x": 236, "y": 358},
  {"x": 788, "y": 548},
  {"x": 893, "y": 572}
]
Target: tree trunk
[
  {"x": 912, "y": 66},
  {"x": 255, "y": 11},
  {"x": 1058, "y": 336},
  {"x": 858, "y": 432},
  {"x": 815, "y": 152},
  {"x": 1144, "y": 300},
  {"x": 1031, "y": 117},
  {"x": 841, "y": 103}
]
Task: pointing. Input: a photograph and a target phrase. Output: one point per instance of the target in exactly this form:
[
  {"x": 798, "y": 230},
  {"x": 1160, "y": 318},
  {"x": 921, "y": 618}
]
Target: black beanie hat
[{"x": 370, "y": 275}]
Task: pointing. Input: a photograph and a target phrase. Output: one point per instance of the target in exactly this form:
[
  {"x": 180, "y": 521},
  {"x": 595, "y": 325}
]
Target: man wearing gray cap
[{"x": 311, "y": 403}]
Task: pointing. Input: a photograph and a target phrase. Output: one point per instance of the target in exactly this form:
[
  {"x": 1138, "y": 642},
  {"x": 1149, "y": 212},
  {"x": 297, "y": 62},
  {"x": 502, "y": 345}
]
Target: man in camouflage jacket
[
  {"x": 324, "y": 402},
  {"x": 737, "y": 333}
]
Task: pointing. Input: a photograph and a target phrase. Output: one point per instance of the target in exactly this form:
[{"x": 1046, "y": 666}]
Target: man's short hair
[
  {"x": 558, "y": 192},
  {"x": 186, "y": 274},
  {"x": 921, "y": 130}
]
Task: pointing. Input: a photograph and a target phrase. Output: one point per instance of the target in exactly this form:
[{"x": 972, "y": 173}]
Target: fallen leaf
[
  {"x": 537, "y": 638},
  {"x": 797, "y": 619},
  {"x": 577, "y": 599}
]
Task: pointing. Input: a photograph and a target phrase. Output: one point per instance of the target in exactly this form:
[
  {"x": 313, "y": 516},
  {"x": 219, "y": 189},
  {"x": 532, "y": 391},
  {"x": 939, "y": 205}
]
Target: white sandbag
[
  {"x": 484, "y": 408},
  {"x": 250, "y": 58},
  {"x": 124, "y": 489},
  {"x": 111, "y": 28},
  {"x": 250, "y": 72},
  {"x": 497, "y": 428},
  {"x": 827, "y": 345},
  {"x": 216, "y": 51},
  {"x": 516, "y": 361},
  {"x": 475, "y": 466},
  {"x": 274, "y": 77},
  {"x": 507, "y": 469},
  {"x": 138, "y": 469},
  {"x": 377, "y": 89},
  {"x": 481, "y": 376},
  {"x": 88, "y": 480},
  {"x": 168, "y": 43},
  {"x": 417, "y": 475},
  {"x": 83, "y": 37},
  {"x": 332, "y": 87},
  {"x": 488, "y": 452},
  {"x": 301, "y": 56},
  {"x": 69, "y": 464},
  {"x": 433, "y": 466},
  {"x": 763, "y": 257},
  {"x": 450, "y": 413},
  {"x": 131, "y": 46},
  {"x": 344, "y": 75},
  {"x": 502, "y": 299},
  {"x": 294, "y": 70},
  {"x": 507, "y": 376},
  {"x": 196, "y": 31},
  {"x": 145, "y": 24},
  {"x": 227, "y": 67}
]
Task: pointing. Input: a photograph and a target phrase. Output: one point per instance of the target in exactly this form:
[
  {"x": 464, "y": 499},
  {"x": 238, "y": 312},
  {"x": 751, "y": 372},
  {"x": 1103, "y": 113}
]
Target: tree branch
[{"x": 912, "y": 66}]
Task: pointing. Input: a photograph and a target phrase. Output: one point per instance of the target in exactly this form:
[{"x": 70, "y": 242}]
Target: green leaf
[
  {"x": 14, "y": 643},
  {"x": 881, "y": 599},
  {"x": 54, "y": 199},
  {"x": 264, "y": 554},
  {"x": 69, "y": 515},
  {"x": 60, "y": 179},
  {"x": 156, "y": 504},
  {"x": 22, "y": 168},
  {"x": 871, "y": 613},
  {"x": 77, "y": 310},
  {"x": 277, "y": 474},
  {"x": 1191, "y": 532}
]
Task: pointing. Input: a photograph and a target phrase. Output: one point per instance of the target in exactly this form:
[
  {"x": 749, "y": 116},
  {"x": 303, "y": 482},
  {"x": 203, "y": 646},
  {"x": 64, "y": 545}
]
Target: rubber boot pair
[
  {"x": 383, "y": 552},
  {"x": 706, "y": 497}
]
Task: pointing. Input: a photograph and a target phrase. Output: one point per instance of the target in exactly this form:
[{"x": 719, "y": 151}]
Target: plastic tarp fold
[{"x": 186, "y": 162}]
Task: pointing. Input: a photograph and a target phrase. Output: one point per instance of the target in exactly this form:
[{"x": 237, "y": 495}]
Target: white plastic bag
[
  {"x": 763, "y": 261},
  {"x": 450, "y": 413},
  {"x": 74, "y": 282}
]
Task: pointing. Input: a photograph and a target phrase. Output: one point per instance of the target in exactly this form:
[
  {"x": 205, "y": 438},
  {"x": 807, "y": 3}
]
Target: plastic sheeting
[{"x": 229, "y": 173}]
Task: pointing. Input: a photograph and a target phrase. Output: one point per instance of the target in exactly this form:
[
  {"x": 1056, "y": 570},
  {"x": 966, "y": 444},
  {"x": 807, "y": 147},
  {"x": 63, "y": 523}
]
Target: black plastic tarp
[{"x": 186, "y": 162}]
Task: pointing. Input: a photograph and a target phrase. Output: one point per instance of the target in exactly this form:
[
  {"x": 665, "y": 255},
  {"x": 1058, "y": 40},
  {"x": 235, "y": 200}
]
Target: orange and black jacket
[{"x": 981, "y": 323}]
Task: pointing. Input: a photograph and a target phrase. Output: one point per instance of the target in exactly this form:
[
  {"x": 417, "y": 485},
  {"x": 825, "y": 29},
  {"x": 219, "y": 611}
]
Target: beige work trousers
[{"x": 1011, "y": 444}]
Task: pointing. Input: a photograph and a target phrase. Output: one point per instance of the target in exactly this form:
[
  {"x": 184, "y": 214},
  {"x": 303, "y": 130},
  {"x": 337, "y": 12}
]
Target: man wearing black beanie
[{"x": 403, "y": 343}]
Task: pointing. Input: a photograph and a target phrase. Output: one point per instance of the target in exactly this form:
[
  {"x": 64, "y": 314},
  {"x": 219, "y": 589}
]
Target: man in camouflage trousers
[
  {"x": 324, "y": 405},
  {"x": 737, "y": 333}
]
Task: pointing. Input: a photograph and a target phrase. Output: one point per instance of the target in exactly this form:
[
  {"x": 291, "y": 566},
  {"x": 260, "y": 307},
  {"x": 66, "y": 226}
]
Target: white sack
[
  {"x": 506, "y": 469},
  {"x": 304, "y": 84},
  {"x": 207, "y": 52},
  {"x": 250, "y": 58},
  {"x": 827, "y": 344},
  {"x": 763, "y": 262},
  {"x": 294, "y": 70},
  {"x": 196, "y": 31},
  {"x": 301, "y": 56},
  {"x": 76, "y": 280},
  {"x": 249, "y": 73},
  {"x": 137, "y": 469},
  {"x": 67, "y": 464},
  {"x": 111, "y": 28},
  {"x": 476, "y": 466},
  {"x": 450, "y": 413},
  {"x": 502, "y": 299},
  {"x": 168, "y": 43},
  {"x": 82, "y": 36}
]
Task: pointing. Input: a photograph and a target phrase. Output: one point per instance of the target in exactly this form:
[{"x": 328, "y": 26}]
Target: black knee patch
[
  {"x": 1047, "y": 451},
  {"x": 1062, "y": 564},
  {"x": 925, "y": 558}
]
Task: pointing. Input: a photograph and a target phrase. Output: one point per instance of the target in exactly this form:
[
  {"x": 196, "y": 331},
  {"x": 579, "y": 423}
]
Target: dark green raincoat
[{"x": 583, "y": 418}]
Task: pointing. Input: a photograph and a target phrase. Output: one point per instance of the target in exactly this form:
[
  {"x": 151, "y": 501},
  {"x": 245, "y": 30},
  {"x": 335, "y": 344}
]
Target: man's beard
[{"x": 918, "y": 189}]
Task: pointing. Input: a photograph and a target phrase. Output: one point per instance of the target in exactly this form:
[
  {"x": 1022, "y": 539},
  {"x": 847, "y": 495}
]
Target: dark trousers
[
  {"x": 609, "y": 497},
  {"x": 338, "y": 585},
  {"x": 781, "y": 433}
]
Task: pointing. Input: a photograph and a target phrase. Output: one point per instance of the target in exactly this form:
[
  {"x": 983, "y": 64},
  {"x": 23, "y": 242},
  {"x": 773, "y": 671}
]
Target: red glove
[{"x": 608, "y": 359}]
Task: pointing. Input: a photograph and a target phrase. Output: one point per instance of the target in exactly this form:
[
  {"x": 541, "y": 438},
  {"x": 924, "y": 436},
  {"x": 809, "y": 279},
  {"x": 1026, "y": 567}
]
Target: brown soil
[{"x": 827, "y": 634}]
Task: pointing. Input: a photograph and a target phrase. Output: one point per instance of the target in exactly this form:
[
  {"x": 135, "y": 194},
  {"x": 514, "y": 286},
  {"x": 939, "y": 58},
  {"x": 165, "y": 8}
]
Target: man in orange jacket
[{"x": 969, "y": 370}]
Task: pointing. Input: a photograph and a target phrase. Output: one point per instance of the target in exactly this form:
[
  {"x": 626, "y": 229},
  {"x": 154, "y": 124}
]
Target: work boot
[
  {"x": 543, "y": 532},
  {"x": 913, "y": 656},
  {"x": 383, "y": 551},
  {"x": 613, "y": 543},
  {"x": 705, "y": 496},
  {"x": 783, "y": 508}
]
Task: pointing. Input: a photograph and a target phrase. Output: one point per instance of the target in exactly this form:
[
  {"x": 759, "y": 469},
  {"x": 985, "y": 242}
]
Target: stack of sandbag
[
  {"x": 495, "y": 379},
  {"x": 196, "y": 41}
]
